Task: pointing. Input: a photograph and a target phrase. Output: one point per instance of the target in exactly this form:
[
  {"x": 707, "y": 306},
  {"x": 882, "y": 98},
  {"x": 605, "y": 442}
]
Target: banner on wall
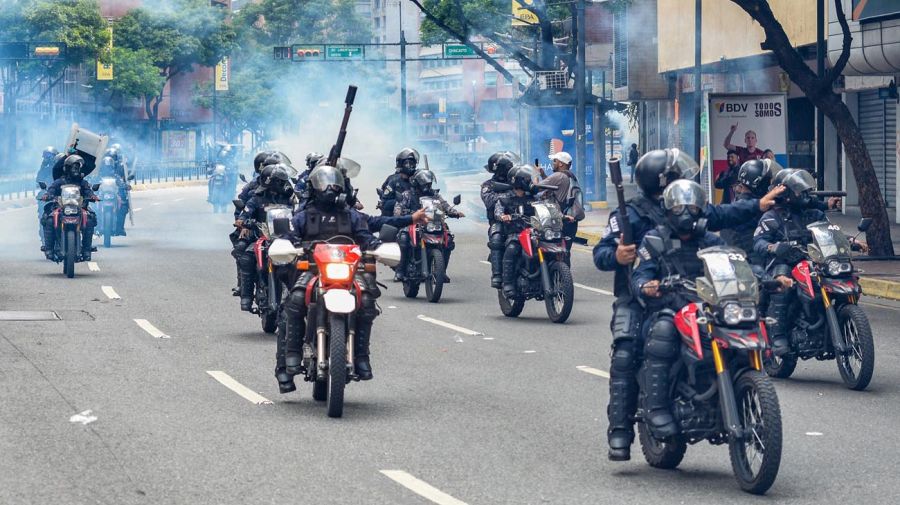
[
  {"x": 222, "y": 71},
  {"x": 753, "y": 126}
]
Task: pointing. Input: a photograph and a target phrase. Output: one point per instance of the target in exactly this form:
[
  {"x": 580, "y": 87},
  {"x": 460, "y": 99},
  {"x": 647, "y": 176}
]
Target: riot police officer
[
  {"x": 398, "y": 182},
  {"x": 72, "y": 174},
  {"x": 498, "y": 165}
]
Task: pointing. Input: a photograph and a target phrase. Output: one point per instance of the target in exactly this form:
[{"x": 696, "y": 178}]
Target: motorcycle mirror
[
  {"x": 244, "y": 179},
  {"x": 238, "y": 204},
  {"x": 130, "y": 177},
  {"x": 388, "y": 233},
  {"x": 782, "y": 249},
  {"x": 43, "y": 185},
  {"x": 864, "y": 224},
  {"x": 281, "y": 225},
  {"x": 95, "y": 187},
  {"x": 457, "y": 200},
  {"x": 349, "y": 167},
  {"x": 388, "y": 254},
  {"x": 656, "y": 246}
]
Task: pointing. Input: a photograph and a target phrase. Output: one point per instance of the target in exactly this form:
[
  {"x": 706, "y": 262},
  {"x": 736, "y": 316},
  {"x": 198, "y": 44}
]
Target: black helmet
[
  {"x": 407, "y": 161},
  {"x": 73, "y": 166},
  {"x": 504, "y": 165},
  {"x": 492, "y": 161},
  {"x": 277, "y": 180},
  {"x": 685, "y": 203},
  {"x": 259, "y": 159},
  {"x": 275, "y": 158},
  {"x": 799, "y": 185},
  {"x": 658, "y": 168},
  {"x": 423, "y": 180},
  {"x": 522, "y": 177},
  {"x": 778, "y": 178},
  {"x": 312, "y": 159},
  {"x": 757, "y": 175},
  {"x": 327, "y": 185},
  {"x": 49, "y": 152}
]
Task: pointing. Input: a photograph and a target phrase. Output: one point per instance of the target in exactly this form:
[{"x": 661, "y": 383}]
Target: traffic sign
[
  {"x": 344, "y": 53},
  {"x": 307, "y": 53},
  {"x": 458, "y": 51}
]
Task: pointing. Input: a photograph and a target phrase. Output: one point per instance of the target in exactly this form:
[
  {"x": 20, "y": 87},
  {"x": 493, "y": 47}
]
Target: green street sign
[
  {"x": 458, "y": 51},
  {"x": 344, "y": 53}
]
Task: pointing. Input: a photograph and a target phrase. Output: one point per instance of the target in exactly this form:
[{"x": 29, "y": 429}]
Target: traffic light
[
  {"x": 308, "y": 53},
  {"x": 282, "y": 53}
]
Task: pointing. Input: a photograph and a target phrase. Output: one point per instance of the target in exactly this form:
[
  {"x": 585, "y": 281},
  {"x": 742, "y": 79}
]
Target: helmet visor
[
  {"x": 682, "y": 164},
  {"x": 799, "y": 181},
  {"x": 324, "y": 176},
  {"x": 683, "y": 195}
]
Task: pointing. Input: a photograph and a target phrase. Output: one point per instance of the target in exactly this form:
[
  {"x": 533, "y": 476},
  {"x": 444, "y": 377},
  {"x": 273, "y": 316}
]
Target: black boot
[
  {"x": 510, "y": 261},
  {"x": 294, "y": 335},
  {"x": 248, "y": 282},
  {"x": 496, "y": 260},
  {"x": 86, "y": 249},
  {"x": 361, "y": 352},
  {"x": 778, "y": 310},
  {"x": 658, "y": 415},
  {"x": 621, "y": 409}
]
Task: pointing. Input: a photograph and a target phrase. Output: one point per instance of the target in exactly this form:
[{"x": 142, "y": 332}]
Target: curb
[
  {"x": 590, "y": 236},
  {"x": 880, "y": 288}
]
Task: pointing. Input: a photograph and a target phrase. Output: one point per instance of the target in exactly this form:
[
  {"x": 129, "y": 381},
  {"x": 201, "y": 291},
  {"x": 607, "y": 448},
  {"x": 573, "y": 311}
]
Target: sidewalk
[{"x": 879, "y": 278}]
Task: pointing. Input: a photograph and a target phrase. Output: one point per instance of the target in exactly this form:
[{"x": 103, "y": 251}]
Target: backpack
[{"x": 574, "y": 199}]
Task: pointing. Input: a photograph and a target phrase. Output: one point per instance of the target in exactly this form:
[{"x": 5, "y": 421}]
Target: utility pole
[
  {"x": 698, "y": 86},
  {"x": 820, "y": 116},
  {"x": 580, "y": 98},
  {"x": 403, "y": 111}
]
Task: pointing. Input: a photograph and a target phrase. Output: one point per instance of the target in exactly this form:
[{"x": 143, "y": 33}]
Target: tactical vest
[
  {"x": 680, "y": 259},
  {"x": 321, "y": 225},
  {"x": 650, "y": 212},
  {"x": 268, "y": 199}
]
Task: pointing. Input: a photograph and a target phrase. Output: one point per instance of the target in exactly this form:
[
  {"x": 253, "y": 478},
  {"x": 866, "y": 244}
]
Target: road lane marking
[
  {"x": 138, "y": 209},
  {"x": 84, "y": 418},
  {"x": 149, "y": 328},
  {"x": 529, "y": 351},
  {"x": 421, "y": 488},
  {"x": 177, "y": 200},
  {"x": 449, "y": 325},
  {"x": 110, "y": 293},
  {"x": 814, "y": 433},
  {"x": 242, "y": 390},
  {"x": 93, "y": 266},
  {"x": 488, "y": 338},
  {"x": 593, "y": 371},
  {"x": 595, "y": 290},
  {"x": 485, "y": 262}
]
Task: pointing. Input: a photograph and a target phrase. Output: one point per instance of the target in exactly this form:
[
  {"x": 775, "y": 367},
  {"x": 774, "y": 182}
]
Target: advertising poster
[
  {"x": 551, "y": 130},
  {"x": 752, "y": 126},
  {"x": 179, "y": 145}
]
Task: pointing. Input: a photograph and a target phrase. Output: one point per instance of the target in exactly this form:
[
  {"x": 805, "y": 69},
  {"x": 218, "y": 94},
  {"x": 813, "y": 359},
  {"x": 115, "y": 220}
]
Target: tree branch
[{"x": 838, "y": 67}]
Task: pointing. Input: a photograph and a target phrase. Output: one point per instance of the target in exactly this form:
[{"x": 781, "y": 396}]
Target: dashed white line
[
  {"x": 93, "y": 266},
  {"x": 530, "y": 351},
  {"x": 451, "y": 326},
  {"x": 485, "y": 262},
  {"x": 156, "y": 203},
  {"x": 110, "y": 293},
  {"x": 177, "y": 199},
  {"x": 814, "y": 433},
  {"x": 595, "y": 290},
  {"x": 421, "y": 488},
  {"x": 242, "y": 390},
  {"x": 138, "y": 209},
  {"x": 593, "y": 371},
  {"x": 149, "y": 328}
]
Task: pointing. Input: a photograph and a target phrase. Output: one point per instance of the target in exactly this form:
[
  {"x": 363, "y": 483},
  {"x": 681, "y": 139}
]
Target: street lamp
[{"x": 474, "y": 115}]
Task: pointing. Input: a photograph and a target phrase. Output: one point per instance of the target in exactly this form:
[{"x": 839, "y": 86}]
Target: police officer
[
  {"x": 654, "y": 171},
  {"x": 112, "y": 166},
  {"x": 398, "y": 182},
  {"x": 498, "y": 165},
  {"x": 751, "y": 181},
  {"x": 45, "y": 173},
  {"x": 515, "y": 201},
  {"x": 327, "y": 215},
  {"x": 302, "y": 187},
  {"x": 72, "y": 174},
  {"x": 275, "y": 187},
  {"x": 684, "y": 232},
  {"x": 422, "y": 184},
  {"x": 784, "y": 223}
]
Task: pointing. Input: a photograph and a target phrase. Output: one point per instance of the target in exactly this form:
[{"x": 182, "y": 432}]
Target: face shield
[
  {"x": 678, "y": 166},
  {"x": 325, "y": 177}
]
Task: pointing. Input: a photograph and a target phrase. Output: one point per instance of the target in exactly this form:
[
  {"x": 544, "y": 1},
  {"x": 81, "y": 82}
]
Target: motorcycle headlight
[
  {"x": 836, "y": 267},
  {"x": 70, "y": 211},
  {"x": 432, "y": 226},
  {"x": 734, "y": 313},
  {"x": 337, "y": 271},
  {"x": 552, "y": 235},
  {"x": 109, "y": 196}
]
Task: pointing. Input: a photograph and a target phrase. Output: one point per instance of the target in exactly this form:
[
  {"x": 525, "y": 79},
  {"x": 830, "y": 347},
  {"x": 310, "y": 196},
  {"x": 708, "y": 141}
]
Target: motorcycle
[
  {"x": 543, "y": 270},
  {"x": 333, "y": 298},
  {"x": 107, "y": 209},
  {"x": 219, "y": 194},
  {"x": 719, "y": 392},
  {"x": 827, "y": 322},
  {"x": 427, "y": 262},
  {"x": 269, "y": 286},
  {"x": 69, "y": 217}
]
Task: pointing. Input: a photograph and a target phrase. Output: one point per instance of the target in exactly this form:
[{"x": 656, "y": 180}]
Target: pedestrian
[
  {"x": 633, "y": 156},
  {"x": 728, "y": 177},
  {"x": 567, "y": 193}
]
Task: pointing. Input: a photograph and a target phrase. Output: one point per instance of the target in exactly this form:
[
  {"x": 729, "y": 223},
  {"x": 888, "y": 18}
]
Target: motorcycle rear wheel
[
  {"x": 434, "y": 285},
  {"x": 665, "y": 455},
  {"x": 780, "y": 367},
  {"x": 755, "y": 460},
  {"x": 337, "y": 364},
  {"x": 69, "y": 264},
  {"x": 107, "y": 231},
  {"x": 410, "y": 289},
  {"x": 559, "y": 303},
  {"x": 857, "y": 367},
  {"x": 510, "y": 307},
  {"x": 269, "y": 321}
]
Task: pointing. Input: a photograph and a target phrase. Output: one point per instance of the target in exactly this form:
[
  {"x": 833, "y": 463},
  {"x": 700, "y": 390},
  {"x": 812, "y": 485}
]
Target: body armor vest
[{"x": 325, "y": 225}]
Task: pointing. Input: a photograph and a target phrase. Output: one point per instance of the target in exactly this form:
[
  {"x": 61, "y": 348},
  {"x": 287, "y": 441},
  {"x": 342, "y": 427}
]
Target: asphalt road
[{"x": 497, "y": 415}]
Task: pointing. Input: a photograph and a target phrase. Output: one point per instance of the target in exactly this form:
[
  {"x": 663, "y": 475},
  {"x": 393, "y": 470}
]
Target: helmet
[
  {"x": 111, "y": 152},
  {"x": 685, "y": 202},
  {"x": 49, "y": 152},
  {"x": 423, "y": 180},
  {"x": 492, "y": 161},
  {"x": 312, "y": 159},
  {"x": 327, "y": 184},
  {"x": 275, "y": 158},
  {"x": 522, "y": 177},
  {"x": 73, "y": 166},
  {"x": 658, "y": 168},
  {"x": 106, "y": 164},
  {"x": 284, "y": 158},
  {"x": 278, "y": 179},
  {"x": 259, "y": 159},
  {"x": 117, "y": 146},
  {"x": 778, "y": 178},
  {"x": 504, "y": 165},
  {"x": 798, "y": 188},
  {"x": 757, "y": 174},
  {"x": 407, "y": 160}
]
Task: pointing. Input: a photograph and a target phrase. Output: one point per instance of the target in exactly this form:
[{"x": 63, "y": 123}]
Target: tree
[
  {"x": 819, "y": 90},
  {"x": 136, "y": 76},
  {"x": 283, "y": 22},
  {"x": 192, "y": 33}
]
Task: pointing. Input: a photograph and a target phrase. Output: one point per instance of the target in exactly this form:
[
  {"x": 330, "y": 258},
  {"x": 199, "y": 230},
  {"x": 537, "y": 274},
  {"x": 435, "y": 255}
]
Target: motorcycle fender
[
  {"x": 551, "y": 248},
  {"x": 841, "y": 286},
  {"x": 525, "y": 242},
  {"x": 258, "y": 251},
  {"x": 339, "y": 301},
  {"x": 802, "y": 274},
  {"x": 686, "y": 323},
  {"x": 736, "y": 338},
  {"x": 413, "y": 236}
]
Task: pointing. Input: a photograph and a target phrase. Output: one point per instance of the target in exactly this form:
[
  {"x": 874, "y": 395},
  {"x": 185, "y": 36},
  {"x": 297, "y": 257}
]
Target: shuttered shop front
[{"x": 878, "y": 122}]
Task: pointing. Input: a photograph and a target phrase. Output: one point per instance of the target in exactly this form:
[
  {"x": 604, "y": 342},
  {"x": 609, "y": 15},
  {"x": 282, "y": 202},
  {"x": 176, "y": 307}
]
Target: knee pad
[
  {"x": 296, "y": 302},
  {"x": 368, "y": 310},
  {"x": 662, "y": 341},
  {"x": 623, "y": 357},
  {"x": 247, "y": 261},
  {"x": 626, "y": 323}
]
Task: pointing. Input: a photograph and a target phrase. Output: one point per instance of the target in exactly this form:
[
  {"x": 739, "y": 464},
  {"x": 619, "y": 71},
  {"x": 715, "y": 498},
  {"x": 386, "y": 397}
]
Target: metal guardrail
[{"x": 12, "y": 188}]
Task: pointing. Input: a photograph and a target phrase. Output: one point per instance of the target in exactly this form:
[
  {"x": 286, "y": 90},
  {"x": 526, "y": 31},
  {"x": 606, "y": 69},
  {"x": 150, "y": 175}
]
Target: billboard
[
  {"x": 869, "y": 10},
  {"x": 222, "y": 70},
  {"x": 550, "y": 130},
  {"x": 179, "y": 145},
  {"x": 753, "y": 126}
]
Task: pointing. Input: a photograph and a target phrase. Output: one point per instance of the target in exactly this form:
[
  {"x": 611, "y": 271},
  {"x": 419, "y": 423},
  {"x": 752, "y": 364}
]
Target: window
[{"x": 490, "y": 79}]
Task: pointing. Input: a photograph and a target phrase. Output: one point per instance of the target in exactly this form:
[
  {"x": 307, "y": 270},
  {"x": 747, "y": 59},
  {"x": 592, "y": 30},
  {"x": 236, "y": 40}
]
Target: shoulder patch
[
  {"x": 613, "y": 224},
  {"x": 644, "y": 253}
]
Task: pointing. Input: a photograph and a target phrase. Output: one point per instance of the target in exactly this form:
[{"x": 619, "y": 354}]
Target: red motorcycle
[
  {"x": 719, "y": 393},
  {"x": 427, "y": 262},
  {"x": 69, "y": 218}
]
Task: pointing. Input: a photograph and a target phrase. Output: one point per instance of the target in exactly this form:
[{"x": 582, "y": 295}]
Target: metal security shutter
[{"x": 878, "y": 122}]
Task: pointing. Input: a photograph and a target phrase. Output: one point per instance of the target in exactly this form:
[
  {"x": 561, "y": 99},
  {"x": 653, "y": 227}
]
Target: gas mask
[
  {"x": 332, "y": 197},
  {"x": 687, "y": 220}
]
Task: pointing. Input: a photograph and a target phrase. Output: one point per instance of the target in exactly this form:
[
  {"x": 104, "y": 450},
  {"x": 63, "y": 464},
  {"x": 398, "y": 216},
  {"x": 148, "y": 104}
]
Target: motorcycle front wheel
[
  {"x": 857, "y": 367},
  {"x": 780, "y": 367},
  {"x": 434, "y": 285},
  {"x": 666, "y": 455},
  {"x": 69, "y": 263},
  {"x": 562, "y": 296},
  {"x": 511, "y": 307},
  {"x": 107, "y": 230},
  {"x": 337, "y": 364},
  {"x": 756, "y": 457}
]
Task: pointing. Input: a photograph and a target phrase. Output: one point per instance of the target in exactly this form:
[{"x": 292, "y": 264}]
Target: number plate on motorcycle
[{"x": 339, "y": 301}]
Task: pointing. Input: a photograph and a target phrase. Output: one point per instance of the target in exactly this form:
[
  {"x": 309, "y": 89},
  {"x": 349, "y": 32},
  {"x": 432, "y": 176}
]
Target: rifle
[
  {"x": 342, "y": 134},
  {"x": 128, "y": 183},
  {"x": 615, "y": 174}
]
